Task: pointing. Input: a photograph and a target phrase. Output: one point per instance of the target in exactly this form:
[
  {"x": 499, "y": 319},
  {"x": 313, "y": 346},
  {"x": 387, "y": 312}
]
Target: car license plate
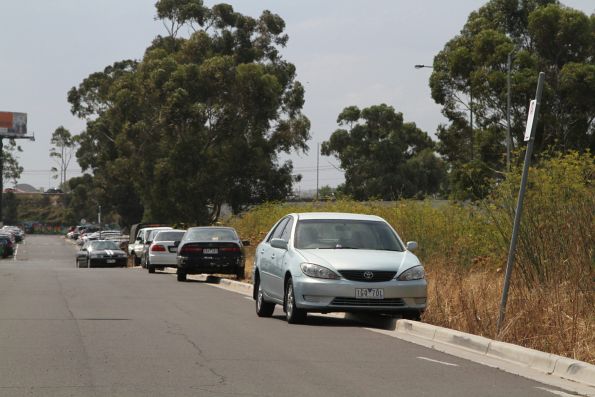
[
  {"x": 369, "y": 293},
  {"x": 111, "y": 261},
  {"x": 210, "y": 251},
  {"x": 173, "y": 249}
]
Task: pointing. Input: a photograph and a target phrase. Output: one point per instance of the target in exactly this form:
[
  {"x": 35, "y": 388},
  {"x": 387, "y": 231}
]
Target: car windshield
[
  {"x": 103, "y": 245},
  {"x": 169, "y": 236},
  {"x": 211, "y": 234},
  {"x": 345, "y": 234}
]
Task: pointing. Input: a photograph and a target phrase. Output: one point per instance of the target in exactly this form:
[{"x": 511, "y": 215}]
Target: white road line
[
  {"x": 556, "y": 392},
  {"x": 16, "y": 251},
  {"x": 439, "y": 362}
]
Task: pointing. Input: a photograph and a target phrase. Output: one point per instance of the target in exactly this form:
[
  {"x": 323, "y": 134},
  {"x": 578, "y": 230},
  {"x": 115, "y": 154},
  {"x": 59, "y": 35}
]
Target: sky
[{"x": 347, "y": 52}]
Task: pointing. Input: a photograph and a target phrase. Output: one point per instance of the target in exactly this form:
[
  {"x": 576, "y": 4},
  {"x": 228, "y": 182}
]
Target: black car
[
  {"x": 6, "y": 246},
  {"x": 101, "y": 253},
  {"x": 211, "y": 250}
]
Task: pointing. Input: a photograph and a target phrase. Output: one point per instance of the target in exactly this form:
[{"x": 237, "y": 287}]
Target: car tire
[
  {"x": 181, "y": 276},
  {"x": 151, "y": 268},
  {"x": 135, "y": 260},
  {"x": 293, "y": 314},
  {"x": 240, "y": 273},
  {"x": 263, "y": 308}
]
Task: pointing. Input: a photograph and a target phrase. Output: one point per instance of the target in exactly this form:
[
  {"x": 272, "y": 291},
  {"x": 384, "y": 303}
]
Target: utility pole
[
  {"x": 317, "y": 167},
  {"x": 1, "y": 180},
  {"x": 471, "y": 124}
]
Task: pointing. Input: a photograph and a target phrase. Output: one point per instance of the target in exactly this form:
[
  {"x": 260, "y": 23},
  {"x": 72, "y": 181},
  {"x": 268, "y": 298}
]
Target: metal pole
[
  {"x": 471, "y": 124},
  {"x": 317, "y": 167},
  {"x": 519, "y": 208},
  {"x": 1, "y": 179},
  {"x": 508, "y": 133}
]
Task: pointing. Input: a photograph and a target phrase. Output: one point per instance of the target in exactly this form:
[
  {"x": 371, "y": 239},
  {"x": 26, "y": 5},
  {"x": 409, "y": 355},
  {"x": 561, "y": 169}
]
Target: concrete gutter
[{"x": 546, "y": 363}]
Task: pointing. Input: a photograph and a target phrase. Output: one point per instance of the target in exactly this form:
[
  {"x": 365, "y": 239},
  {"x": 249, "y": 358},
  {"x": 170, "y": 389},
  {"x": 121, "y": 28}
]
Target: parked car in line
[
  {"x": 336, "y": 262},
  {"x": 18, "y": 233},
  {"x": 142, "y": 241},
  {"x": 6, "y": 246},
  {"x": 211, "y": 250},
  {"x": 134, "y": 229},
  {"x": 163, "y": 250},
  {"x": 101, "y": 253}
]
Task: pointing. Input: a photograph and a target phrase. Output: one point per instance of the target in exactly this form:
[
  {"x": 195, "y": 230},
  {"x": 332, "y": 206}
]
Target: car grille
[
  {"x": 359, "y": 275},
  {"x": 368, "y": 302}
]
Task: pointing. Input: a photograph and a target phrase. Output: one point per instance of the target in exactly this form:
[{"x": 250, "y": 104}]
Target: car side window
[
  {"x": 287, "y": 230},
  {"x": 278, "y": 230}
]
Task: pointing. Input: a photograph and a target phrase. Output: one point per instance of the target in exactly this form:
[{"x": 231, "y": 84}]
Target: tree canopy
[
  {"x": 470, "y": 77},
  {"x": 198, "y": 122},
  {"x": 383, "y": 156}
]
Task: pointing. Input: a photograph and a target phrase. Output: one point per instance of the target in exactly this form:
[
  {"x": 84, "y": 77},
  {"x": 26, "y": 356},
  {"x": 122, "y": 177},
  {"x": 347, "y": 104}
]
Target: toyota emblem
[{"x": 368, "y": 275}]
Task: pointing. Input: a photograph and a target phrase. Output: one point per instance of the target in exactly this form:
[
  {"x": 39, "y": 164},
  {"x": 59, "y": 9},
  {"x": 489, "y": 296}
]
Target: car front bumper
[
  {"x": 319, "y": 295},
  {"x": 107, "y": 262}
]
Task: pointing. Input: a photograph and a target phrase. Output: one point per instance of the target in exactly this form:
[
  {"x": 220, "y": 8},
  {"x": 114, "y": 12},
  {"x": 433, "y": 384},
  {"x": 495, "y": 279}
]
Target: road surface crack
[{"x": 175, "y": 329}]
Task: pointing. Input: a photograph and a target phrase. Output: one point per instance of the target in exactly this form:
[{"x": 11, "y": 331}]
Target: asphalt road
[{"x": 123, "y": 332}]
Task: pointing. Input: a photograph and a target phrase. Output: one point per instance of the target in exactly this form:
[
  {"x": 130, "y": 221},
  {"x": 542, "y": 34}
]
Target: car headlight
[
  {"x": 317, "y": 271},
  {"x": 415, "y": 273}
]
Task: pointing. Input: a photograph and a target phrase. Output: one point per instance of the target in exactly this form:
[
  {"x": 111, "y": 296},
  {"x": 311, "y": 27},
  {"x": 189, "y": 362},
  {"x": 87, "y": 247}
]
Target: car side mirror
[
  {"x": 246, "y": 243},
  {"x": 176, "y": 244},
  {"x": 411, "y": 245},
  {"x": 279, "y": 243}
]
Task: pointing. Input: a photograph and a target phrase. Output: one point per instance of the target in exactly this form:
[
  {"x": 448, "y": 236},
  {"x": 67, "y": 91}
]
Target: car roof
[
  {"x": 211, "y": 227},
  {"x": 337, "y": 215}
]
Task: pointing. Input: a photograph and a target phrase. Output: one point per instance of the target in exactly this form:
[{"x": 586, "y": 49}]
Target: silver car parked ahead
[{"x": 335, "y": 262}]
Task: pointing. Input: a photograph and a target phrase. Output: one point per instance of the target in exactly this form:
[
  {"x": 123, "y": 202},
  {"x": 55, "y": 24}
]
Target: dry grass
[{"x": 551, "y": 304}]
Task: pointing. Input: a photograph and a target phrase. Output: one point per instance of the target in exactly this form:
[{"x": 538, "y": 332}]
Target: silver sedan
[{"x": 335, "y": 262}]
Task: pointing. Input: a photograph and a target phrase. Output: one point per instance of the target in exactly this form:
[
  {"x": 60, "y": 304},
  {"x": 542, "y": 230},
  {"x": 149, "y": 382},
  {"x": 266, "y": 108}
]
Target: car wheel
[
  {"x": 135, "y": 260},
  {"x": 151, "y": 268},
  {"x": 293, "y": 314},
  {"x": 263, "y": 308},
  {"x": 240, "y": 273},
  {"x": 181, "y": 276}
]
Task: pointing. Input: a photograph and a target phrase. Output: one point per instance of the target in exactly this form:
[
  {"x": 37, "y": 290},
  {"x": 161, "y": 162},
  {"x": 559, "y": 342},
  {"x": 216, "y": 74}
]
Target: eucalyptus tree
[
  {"x": 469, "y": 80},
  {"x": 383, "y": 156},
  {"x": 199, "y": 121}
]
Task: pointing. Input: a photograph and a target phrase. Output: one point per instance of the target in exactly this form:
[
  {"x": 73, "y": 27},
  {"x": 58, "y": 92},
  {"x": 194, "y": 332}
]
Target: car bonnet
[{"x": 350, "y": 259}]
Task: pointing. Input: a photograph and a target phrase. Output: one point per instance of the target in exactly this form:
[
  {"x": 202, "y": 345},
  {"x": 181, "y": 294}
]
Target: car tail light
[
  {"x": 190, "y": 249},
  {"x": 157, "y": 248}
]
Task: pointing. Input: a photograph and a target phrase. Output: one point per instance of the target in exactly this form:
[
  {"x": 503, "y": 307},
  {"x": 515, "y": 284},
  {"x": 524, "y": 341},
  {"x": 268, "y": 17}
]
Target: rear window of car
[
  {"x": 104, "y": 245},
  {"x": 169, "y": 236},
  {"x": 211, "y": 235}
]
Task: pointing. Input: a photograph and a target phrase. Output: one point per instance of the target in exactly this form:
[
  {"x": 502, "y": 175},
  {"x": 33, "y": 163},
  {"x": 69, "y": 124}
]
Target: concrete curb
[
  {"x": 547, "y": 363},
  {"x": 239, "y": 286}
]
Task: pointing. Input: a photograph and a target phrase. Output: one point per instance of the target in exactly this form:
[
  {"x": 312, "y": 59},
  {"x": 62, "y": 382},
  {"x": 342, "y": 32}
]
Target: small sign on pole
[
  {"x": 530, "y": 119},
  {"x": 529, "y": 136}
]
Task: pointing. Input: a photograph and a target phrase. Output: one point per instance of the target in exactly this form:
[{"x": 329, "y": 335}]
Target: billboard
[{"x": 13, "y": 124}]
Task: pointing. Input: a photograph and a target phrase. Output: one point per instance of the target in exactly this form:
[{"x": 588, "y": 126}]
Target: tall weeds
[{"x": 464, "y": 248}]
